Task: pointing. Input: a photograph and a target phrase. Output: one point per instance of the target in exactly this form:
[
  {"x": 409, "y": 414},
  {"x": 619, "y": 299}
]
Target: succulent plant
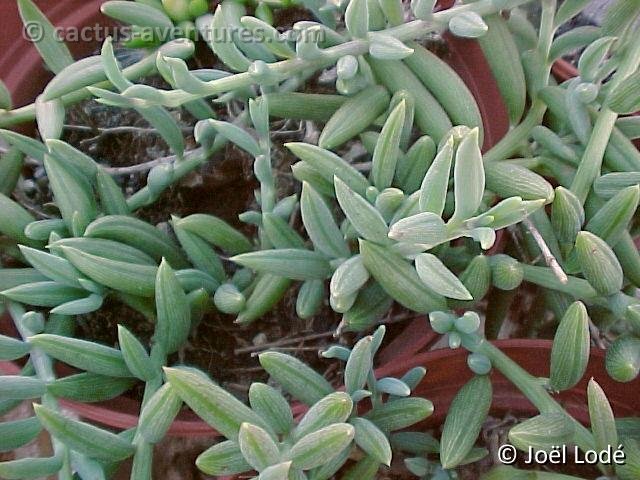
[{"x": 396, "y": 201}]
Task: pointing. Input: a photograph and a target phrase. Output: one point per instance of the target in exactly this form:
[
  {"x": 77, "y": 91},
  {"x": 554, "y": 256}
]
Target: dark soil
[{"x": 224, "y": 187}]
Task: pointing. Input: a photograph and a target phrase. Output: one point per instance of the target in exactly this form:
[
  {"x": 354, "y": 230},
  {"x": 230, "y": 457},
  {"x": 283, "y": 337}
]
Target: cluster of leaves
[{"x": 414, "y": 230}]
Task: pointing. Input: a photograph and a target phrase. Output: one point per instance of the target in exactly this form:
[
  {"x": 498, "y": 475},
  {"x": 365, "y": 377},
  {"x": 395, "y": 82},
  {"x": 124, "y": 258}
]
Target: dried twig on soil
[{"x": 549, "y": 259}]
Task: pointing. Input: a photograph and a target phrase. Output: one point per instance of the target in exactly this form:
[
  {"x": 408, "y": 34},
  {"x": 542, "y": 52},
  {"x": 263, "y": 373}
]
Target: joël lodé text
[{"x": 560, "y": 454}]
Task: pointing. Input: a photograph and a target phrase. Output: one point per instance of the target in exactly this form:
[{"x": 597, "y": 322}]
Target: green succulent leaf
[
  {"x": 73, "y": 195},
  {"x": 362, "y": 215},
  {"x": 542, "y": 432},
  {"x": 334, "y": 408},
  {"x": 14, "y": 219},
  {"x": 28, "y": 468},
  {"x": 43, "y": 294},
  {"x": 12, "y": 348},
  {"x": 398, "y": 278},
  {"x": 400, "y": 413},
  {"x": 321, "y": 446},
  {"x": 386, "y": 153},
  {"x": 571, "y": 344},
  {"x": 214, "y": 405},
  {"x": 276, "y": 472},
  {"x": 83, "y": 354},
  {"x": 16, "y": 387},
  {"x": 217, "y": 232},
  {"x": 140, "y": 235},
  {"x": 356, "y": 18},
  {"x": 173, "y": 311},
  {"x": 599, "y": 264},
  {"x": 53, "y": 51},
  {"x": 439, "y": 278},
  {"x": 224, "y": 458},
  {"x": 623, "y": 358},
  {"x": 294, "y": 263},
  {"x": 469, "y": 177},
  {"x": 463, "y": 424},
  {"x": 271, "y": 406},
  {"x": 17, "y": 433},
  {"x": 301, "y": 381},
  {"x": 330, "y": 165},
  {"x": 612, "y": 219},
  {"x": 603, "y": 425},
  {"x": 90, "y": 387},
  {"x": 84, "y": 438},
  {"x": 372, "y": 440},
  {"x": 135, "y": 355},
  {"x": 257, "y": 447},
  {"x": 158, "y": 414},
  {"x": 433, "y": 190},
  {"x": 320, "y": 224},
  {"x": 131, "y": 278}
]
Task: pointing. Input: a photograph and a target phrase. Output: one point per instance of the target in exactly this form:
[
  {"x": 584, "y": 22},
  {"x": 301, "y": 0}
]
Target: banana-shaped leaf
[
  {"x": 54, "y": 52},
  {"x": 372, "y": 440},
  {"x": 216, "y": 232},
  {"x": 84, "y": 438},
  {"x": 271, "y": 406},
  {"x": 158, "y": 414},
  {"x": 138, "y": 234},
  {"x": 301, "y": 381},
  {"x": 215, "y": 406},
  {"x": 334, "y": 408},
  {"x": 359, "y": 365},
  {"x": 135, "y": 355},
  {"x": 385, "y": 155},
  {"x": 542, "y": 432},
  {"x": 17, "y": 433},
  {"x": 330, "y": 165},
  {"x": 433, "y": 190},
  {"x": 257, "y": 447},
  {"x": 16, "y": 387},
  {"x": 399, "y": 279},
  {"x": 90, "y": 387},
  {"x": 439, "y": 278},
  {"x": 124, "y": 277},
  {"x": 14, "y": 219},
  {"x": 224, "y": 458},
  {"x": 173, "y": 311},
  {"x": 400, "y": 413},
  {"x": 463, "y": 424},
  {"x": 368, "y": 222},
  {"x": 27, "y": 468},
  {"x": 353, "y": 117},
  {"x": 603, "y": 425},
  {"x": 109, "y": 249},
  {"x": 73, "y": 195},
  {"x": 44, "y": 294},
  {"x": 293, "y": 263},
  {"x": 83, "y": 354},
  {"x": 570, "y": 352},
  {"x": 320, "y": 224},
  {"x": 468, "y": 177},
  {"x": 321, "y": 446}
]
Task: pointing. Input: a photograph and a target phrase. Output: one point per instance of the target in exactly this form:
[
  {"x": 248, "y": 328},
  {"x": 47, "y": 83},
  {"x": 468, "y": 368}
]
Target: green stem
[
  {"x": 510, "y": 143},
  {"x": 284, "y": 69},
  {"x": 514, "y": 138},
  {"x": 529, "y": 385},
  {"x": 43, "y": 367},
  {"x": 27, "y": 113},
  {"x": 591, "y": 161}
]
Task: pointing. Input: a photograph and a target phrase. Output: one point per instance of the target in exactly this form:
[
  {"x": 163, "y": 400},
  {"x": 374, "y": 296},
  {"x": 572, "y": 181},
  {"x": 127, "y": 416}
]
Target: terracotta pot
[
  {"x": 21, "y": 67},
  {"x": 447, "y": 372},
  {"x": 23, "y": 72}
]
